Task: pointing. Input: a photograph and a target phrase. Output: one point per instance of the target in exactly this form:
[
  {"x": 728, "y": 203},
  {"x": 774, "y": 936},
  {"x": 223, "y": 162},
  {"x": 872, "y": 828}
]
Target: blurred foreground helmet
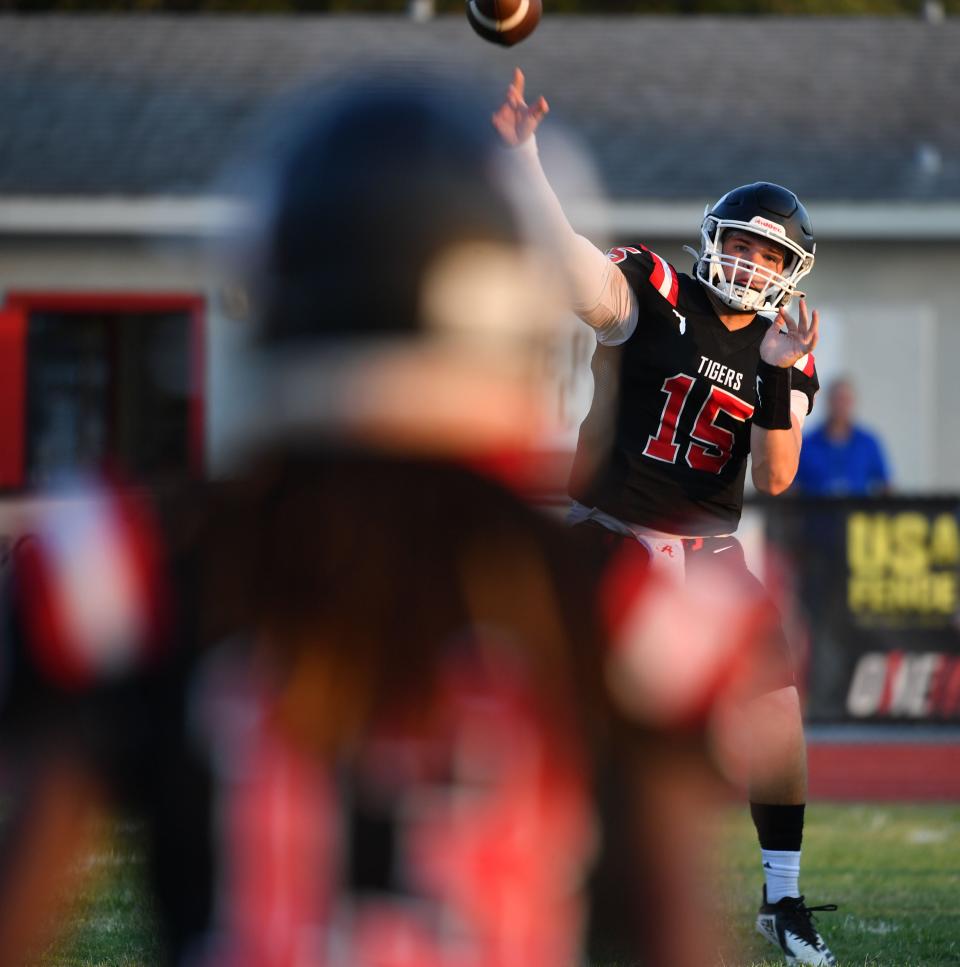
[
  {"x": 396, "y": 292},
  {"x": 763, "y": 209},
  {"x": 379, "y": 183}
]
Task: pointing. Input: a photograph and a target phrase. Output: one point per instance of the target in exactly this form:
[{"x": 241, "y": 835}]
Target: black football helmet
[
  {"x": 379, "y": 177},
  {"x": 766, "y": 210},
  {"x": 391, "y": 270}
]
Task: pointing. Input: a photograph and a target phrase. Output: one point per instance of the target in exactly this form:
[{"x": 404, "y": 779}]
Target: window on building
[{"x": 108, "y": 385}]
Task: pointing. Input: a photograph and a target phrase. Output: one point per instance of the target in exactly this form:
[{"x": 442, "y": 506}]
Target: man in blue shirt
[{"x": 840, "y": 458}]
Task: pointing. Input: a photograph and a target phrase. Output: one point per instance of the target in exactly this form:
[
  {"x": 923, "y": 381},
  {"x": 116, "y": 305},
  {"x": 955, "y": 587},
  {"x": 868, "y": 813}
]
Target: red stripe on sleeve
[
  {"x": 674, "y": 287},
  {"x": 657, "y": 275}
]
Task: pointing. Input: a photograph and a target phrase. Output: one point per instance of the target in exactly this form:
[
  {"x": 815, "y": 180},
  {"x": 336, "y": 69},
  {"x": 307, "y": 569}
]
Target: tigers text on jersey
[{"x": 666, "y": 440}]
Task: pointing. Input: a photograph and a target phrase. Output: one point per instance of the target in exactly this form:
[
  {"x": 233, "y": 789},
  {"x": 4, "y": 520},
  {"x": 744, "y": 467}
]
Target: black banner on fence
[{"x": 878, "y": 587}]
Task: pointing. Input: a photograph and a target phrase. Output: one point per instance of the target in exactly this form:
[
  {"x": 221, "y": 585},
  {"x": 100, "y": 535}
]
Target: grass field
[{"x": 894, "y": 871}]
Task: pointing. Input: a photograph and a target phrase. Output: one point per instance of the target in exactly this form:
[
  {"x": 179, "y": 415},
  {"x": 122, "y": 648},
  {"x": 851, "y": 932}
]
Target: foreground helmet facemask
[{"x": 775, "y": 215}]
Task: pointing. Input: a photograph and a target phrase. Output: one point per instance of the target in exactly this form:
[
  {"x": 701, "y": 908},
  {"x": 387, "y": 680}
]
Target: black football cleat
[{"x": 789, "y": 923}]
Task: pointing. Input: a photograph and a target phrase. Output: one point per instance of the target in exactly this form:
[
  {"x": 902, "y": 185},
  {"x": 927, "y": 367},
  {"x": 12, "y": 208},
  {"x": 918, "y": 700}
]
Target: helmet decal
[
  {"x": 770, "y": 212},
  {"x": 767, "y": 224}
]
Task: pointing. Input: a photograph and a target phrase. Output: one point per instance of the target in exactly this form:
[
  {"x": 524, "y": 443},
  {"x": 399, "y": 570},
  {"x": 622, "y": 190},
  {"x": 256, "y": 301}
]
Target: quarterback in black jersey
[
  {"x": 692, "y": 374},
  {"x": 685, "y": 388}
]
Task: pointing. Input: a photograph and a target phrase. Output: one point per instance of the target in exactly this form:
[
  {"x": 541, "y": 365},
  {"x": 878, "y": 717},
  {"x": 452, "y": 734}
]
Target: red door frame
[
  {"x": 13, "y": 319},
  {"x": 13, "y": 374}
]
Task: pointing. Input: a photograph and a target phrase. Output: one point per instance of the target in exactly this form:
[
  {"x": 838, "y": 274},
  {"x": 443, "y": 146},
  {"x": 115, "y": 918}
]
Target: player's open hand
[
  {"x": 788, "y": 339},
  {"x": 516, "y": 120}
]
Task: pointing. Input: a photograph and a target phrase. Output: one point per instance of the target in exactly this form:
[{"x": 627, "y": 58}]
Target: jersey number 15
[{"x": 710, "y": 446}]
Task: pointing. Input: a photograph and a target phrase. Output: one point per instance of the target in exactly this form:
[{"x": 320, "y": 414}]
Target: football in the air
[{"x": 504, "y": 22}]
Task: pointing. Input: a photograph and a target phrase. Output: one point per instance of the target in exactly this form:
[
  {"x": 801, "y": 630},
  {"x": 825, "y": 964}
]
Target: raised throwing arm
[{"x": 599, "y": 292}]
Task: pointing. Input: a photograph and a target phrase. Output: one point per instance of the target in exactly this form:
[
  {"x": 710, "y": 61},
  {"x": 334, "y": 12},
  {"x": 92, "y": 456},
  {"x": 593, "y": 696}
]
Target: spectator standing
[{"x": 841, "y": 458}]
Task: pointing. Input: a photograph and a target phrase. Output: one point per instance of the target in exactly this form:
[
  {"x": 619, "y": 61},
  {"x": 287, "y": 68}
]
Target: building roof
[{"x": 859, "y": 109}]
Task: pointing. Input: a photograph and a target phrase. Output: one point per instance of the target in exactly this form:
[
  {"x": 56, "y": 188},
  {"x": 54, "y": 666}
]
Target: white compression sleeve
[
  {"x": 798, "y": 406},
  {"x": 600, "y": 294}
]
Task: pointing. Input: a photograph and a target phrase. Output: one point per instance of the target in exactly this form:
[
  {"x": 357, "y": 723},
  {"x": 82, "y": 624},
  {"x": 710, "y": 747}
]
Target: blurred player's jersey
[
  {"x": 396, "y": 761},
  {"x": 373, "y": 712},
  {"x": 412, "y": 783},
  {"x": 666, "y": 440},
  {"x": 458, "y": 835}
]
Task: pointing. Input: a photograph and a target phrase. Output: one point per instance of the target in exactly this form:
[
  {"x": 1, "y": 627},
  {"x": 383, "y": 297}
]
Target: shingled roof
[{"x": 675, "y": 108}]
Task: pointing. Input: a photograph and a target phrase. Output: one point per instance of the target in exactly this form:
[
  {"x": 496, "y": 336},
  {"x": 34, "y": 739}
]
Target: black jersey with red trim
[{"x": 666, "y": 440}]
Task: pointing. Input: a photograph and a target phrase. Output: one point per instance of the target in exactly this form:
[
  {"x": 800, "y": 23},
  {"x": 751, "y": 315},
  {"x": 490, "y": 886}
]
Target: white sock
[{"x": 781, "y": 869}]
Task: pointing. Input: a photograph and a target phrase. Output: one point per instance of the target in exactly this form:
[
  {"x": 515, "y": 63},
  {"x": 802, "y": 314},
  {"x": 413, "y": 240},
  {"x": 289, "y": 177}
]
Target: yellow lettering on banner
[
  {"x": 945, "y": 593},
  {"x": 868, "y": 544},
  {"x": 903, "y": 563},
  {"x": 945, "y": 540},
  {"x": 909, "y": 538},
  {"x": 928, "y": 594}
]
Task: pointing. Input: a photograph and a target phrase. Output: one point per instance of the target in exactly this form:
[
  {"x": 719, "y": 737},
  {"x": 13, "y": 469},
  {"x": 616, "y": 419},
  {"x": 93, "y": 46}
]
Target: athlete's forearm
[
  {"x": 599, "y": 292},
  {"x": 775, "y": 454}
]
